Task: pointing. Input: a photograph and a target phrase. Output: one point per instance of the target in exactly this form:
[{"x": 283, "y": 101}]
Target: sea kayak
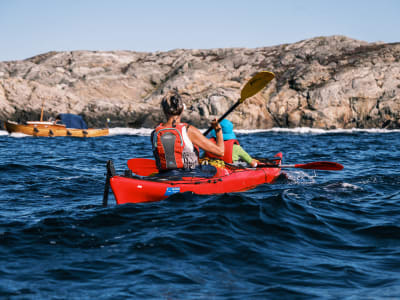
[{"x": 130, "y": 188}]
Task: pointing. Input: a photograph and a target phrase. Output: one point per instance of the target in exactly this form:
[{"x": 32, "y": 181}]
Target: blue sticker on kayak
[{"x": 172, "y": 190}]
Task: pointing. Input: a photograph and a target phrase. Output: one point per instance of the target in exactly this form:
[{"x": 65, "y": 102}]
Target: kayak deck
[{"x": 137, "y": 189}]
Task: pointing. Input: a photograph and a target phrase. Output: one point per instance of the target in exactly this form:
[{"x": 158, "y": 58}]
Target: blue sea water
[{"x": 315, "y": 235}]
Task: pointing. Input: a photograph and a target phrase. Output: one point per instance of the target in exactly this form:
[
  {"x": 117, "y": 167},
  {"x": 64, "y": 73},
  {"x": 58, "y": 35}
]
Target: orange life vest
[
  {"x": 228, "y": 145},
  {"x": 168, "y": 146}
]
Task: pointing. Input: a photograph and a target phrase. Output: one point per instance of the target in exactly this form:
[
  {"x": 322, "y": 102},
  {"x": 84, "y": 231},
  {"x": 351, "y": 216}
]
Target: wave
[
  {"x": 130, "y": 131},
  {"x": 297, "y": 130},
  {"x": 309, "y": 130},
  {"x": 311, "y": 229}
]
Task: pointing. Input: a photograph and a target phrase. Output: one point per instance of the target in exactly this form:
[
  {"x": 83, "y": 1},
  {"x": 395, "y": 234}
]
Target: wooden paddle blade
[
  {"x": 142, "y": 166},
  {"x": 321, "y": 165},
  {"x": 256, "y": 84}
]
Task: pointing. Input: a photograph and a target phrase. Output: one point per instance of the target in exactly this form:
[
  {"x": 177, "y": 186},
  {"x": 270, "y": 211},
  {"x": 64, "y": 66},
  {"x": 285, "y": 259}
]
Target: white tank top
[{"x": 188, "y": 142}]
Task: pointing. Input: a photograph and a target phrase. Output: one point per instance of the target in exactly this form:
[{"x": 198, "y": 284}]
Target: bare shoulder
[
  {"x": 196, "y": 136},
  {"x": 193, "y": 130}
]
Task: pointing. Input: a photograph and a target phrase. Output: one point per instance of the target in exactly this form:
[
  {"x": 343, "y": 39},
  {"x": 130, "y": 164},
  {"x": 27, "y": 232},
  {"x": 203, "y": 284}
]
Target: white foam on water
[
  {"x": 18, "y": 134},
  {"x": 299, "y": 130},
  {"x": 349, "y": 186},
  {"x": 343, "y": 186},
  {"x": 130, "y": 131},
  {"x": 69, "y": 178},
  {"x": 301, "y": 177},
  {"x": 308, "y": 130}
]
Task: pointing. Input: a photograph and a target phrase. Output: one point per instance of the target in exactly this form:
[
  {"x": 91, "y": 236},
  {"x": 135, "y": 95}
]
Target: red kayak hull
[{"x": 226, "y": 180}]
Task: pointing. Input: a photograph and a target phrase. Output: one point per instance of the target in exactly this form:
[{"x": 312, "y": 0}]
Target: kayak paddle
[
  {"x": 110, "y": 173},
  {"x": 147, "y": 166},
  {"x": 252, "y": 87},
  {"x": 317, "y": 165}
]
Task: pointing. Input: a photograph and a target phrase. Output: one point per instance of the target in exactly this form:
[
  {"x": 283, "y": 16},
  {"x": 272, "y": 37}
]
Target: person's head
[
  {"x": 172, "y": 104},
  {"x": 227, "y": 130}
]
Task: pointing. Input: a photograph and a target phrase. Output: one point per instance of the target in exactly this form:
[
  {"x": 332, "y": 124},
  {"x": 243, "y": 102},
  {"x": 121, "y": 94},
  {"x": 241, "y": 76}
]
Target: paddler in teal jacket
[{"x": 234, "y": 153}]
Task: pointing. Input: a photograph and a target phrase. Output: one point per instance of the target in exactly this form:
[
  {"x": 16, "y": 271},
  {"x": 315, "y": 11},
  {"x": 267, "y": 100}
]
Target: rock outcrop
[{"x": 324, "y": 82}]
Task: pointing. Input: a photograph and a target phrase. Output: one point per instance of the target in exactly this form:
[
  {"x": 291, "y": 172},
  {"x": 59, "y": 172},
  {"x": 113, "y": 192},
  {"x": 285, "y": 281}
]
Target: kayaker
[
  {"x": 234, "y": 153},
  {"x": 175, "y": 144}
]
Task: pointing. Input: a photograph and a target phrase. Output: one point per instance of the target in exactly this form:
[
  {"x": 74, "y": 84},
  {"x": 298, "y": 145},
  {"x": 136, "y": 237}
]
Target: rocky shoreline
[{"x": 324, "y": 82}]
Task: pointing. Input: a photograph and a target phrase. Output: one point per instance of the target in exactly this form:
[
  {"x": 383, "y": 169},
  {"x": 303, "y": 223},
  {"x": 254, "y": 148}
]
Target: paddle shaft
[
  {"x": 318, "y": 165},
  {"x": 110, "y": 173},
  {"x": 146, "y": 166},
  {"x": 106, "y": 188},
  {"x": 223, "y": 116},
  {"x": 290, "y": 166},
  {"x": 252, "y": 87}
]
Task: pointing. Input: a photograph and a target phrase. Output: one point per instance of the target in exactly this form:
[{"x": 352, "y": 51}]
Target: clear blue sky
[{"x": 31, "y": 27}]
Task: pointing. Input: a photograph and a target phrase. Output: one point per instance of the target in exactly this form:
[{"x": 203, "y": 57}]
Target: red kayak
[{"x": 228, "y": 179}]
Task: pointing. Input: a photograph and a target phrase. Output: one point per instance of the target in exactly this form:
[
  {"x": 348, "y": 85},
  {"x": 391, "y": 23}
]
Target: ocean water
[{"x": 315, "y": 235}]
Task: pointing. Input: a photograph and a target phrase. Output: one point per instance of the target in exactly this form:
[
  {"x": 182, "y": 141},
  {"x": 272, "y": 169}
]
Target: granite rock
[{"x": 323, "y": 82}]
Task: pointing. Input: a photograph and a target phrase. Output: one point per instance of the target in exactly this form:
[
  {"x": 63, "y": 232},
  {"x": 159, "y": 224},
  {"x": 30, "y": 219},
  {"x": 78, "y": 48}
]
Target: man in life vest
[
  {"x": 234, "y": 153},
  {"x": 175, "y": 144}
]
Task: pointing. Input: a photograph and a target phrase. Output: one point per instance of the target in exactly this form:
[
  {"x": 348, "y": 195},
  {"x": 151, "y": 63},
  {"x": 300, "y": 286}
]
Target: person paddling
[
  {"x": 234, "y": 153},
  {"x": 175, "y": 144}
]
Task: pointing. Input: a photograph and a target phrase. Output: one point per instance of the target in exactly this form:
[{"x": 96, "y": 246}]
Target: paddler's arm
[
  {"x": 240, "y": 153},
  {"x": 204, "y": 143}
]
